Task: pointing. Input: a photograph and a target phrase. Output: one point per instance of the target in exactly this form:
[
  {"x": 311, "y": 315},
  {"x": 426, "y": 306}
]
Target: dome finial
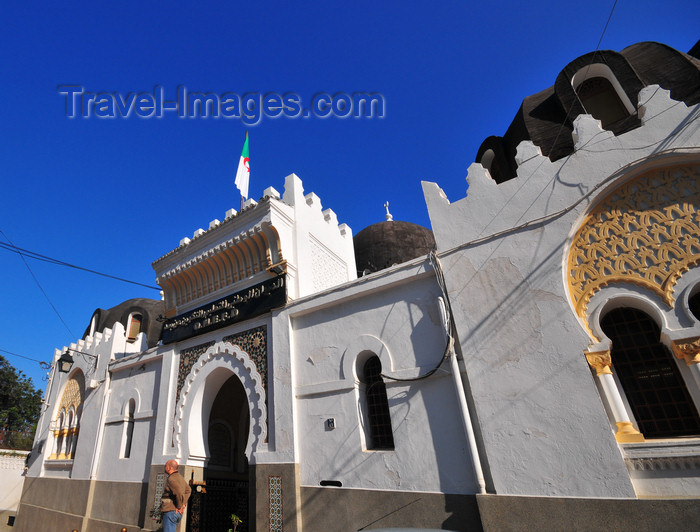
[{"x": 388, "y": 216}]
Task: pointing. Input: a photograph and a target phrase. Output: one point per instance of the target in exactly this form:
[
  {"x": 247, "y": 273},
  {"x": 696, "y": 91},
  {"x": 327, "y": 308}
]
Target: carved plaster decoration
[
  {"x": 328, "y": 269},
  {"x": 223, "y": 265},
  {"x": 687, "y": 349},
  {"x": 600, "y": 362},
  {"x": 646, "y": 232},
  {"x": 74, "y": 392},
  {"x": 682, "y": 463}
]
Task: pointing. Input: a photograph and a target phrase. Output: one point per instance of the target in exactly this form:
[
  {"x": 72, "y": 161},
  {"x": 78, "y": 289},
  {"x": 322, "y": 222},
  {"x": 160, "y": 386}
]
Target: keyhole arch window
[
  {"x": 128, "y": 434},
  {"x": 378, "y": 428}
]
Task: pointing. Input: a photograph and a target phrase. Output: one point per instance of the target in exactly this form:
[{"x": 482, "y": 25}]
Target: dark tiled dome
[
  {"x": 382, "y": 245},
  {"x": 149, "y": 309},
  {"x": 547, "y": 118}
]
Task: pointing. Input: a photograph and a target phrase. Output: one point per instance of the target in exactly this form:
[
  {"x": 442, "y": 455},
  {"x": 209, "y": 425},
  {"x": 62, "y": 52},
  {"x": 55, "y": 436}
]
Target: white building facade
[{"x": 543, "y": 363}]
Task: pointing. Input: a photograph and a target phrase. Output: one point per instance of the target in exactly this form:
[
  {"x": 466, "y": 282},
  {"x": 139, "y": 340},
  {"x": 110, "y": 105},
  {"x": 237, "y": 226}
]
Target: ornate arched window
[
  {"x": 67, "y": 422},
  {"x": 378, "y": 417},
  {"x": 650, "y": 378}
]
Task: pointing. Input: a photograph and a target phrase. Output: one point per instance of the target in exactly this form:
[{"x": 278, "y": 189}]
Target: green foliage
[
  {"x": 20, "y": 405},
  {"x": 236, "y": 521}
]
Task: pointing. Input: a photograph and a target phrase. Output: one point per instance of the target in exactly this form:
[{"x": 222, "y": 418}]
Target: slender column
[
  {"x": 602, "y": 363},
  {"x": 56, "y": 444},
  {"x": 688, "y": 349},
  {"x": 63, "y": 443}
]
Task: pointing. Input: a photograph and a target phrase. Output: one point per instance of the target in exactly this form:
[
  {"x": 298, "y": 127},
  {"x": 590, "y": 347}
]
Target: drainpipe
[
  {"x": 464, "y": 409},
  {"x": 101, "y": 428}
]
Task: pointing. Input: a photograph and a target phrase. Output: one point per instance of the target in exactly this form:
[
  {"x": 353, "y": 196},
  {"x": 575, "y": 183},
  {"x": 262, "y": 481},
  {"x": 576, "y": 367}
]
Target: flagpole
[{"x": 243, "y": 172}]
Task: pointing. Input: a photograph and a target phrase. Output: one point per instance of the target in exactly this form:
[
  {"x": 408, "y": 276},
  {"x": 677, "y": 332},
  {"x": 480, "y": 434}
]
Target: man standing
[{"x": 174, "y": 499}]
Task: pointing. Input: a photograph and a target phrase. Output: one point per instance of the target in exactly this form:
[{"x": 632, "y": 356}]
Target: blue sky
[{"x": 113, "y": 195}]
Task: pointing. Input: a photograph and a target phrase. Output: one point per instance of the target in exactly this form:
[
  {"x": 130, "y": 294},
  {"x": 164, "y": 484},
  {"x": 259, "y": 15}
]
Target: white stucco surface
[
  {"x": 540, "y": 417},
  {"x": 400, "y": 322},
  {"x": 11, "y": 473}
]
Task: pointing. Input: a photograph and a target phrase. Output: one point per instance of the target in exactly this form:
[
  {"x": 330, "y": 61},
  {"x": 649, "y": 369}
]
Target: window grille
[
  {"x": 381, "y": 434},
  {"x": 649, "y": 376}
]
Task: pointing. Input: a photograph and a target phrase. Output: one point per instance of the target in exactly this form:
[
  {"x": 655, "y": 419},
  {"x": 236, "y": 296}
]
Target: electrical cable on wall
[{"x": 435, "y": 262}]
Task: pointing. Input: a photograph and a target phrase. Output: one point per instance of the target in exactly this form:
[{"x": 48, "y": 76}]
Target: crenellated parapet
[
  {"x": 544, "y": 190},
  {"x": 265, "y": 239}
]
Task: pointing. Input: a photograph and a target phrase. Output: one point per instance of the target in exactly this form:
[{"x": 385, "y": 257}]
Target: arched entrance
[
  {"x": 225, "y": 489},
  {"x": 221, "y": 420}
]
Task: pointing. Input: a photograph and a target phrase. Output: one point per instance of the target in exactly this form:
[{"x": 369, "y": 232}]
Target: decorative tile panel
[
  {"x": 254, "y": 343},
  {"x": 275, "y": 500},
  {"x": 160, "y": 486},
  {"x": 188, "y": 357}
]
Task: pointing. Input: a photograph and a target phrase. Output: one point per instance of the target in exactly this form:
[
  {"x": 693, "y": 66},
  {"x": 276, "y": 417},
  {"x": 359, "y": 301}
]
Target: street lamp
[{"x": 65, "y": 362}]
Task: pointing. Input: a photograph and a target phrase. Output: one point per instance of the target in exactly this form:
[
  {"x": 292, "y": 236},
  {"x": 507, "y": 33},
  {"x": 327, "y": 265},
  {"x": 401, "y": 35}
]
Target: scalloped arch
[{"x": 223, "y": 359}]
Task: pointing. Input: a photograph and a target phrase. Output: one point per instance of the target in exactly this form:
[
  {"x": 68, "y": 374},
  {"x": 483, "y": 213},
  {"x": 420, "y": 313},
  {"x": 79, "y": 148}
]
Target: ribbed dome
[{"x": 382, "y": 245}]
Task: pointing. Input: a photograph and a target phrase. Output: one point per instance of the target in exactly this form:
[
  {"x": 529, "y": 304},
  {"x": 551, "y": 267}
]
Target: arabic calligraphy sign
[{"x": 243, "y": 305}]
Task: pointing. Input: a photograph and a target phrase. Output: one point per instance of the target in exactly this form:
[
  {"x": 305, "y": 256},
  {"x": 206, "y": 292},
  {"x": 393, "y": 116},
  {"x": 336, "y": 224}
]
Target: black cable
[
  {"x": 450, "y": 324},
  {"x": 21, "y": 356},
  {"x": 18, "y": 251},
  {"x": 566, "y": 118},
  {"x": 50, "y": 260}
]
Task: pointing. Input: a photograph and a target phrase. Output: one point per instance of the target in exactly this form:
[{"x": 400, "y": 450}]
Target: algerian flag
[{"x": 243, "y": 173}]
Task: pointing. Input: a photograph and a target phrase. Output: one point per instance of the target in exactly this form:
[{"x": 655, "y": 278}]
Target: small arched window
[
  {"x": 601, "y": 94},
  {"x": 128, "y": 429},
  {"x": 381, "y": 435},
  {"x": 599, "y": 99},
  {"x": 649, "y": 376},
  {"x": 134, "y": 327},
  {"x": 59, "y": 435}
]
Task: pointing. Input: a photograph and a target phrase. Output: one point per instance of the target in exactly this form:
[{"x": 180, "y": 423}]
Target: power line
[
  {"x": 17, "y": 250},
  {"x": 21, "y": 356},
  {"x": 559, "y": 131},
  {"x": 37, "y": 256}
]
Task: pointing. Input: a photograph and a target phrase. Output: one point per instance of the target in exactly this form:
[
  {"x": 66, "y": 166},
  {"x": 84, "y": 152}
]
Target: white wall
[
  {"x": 11, "y": 470},
  {"x": 542, "y": 423},
  {"x": 138, "y": 378},
  {"x": 395, "y": 315}
]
